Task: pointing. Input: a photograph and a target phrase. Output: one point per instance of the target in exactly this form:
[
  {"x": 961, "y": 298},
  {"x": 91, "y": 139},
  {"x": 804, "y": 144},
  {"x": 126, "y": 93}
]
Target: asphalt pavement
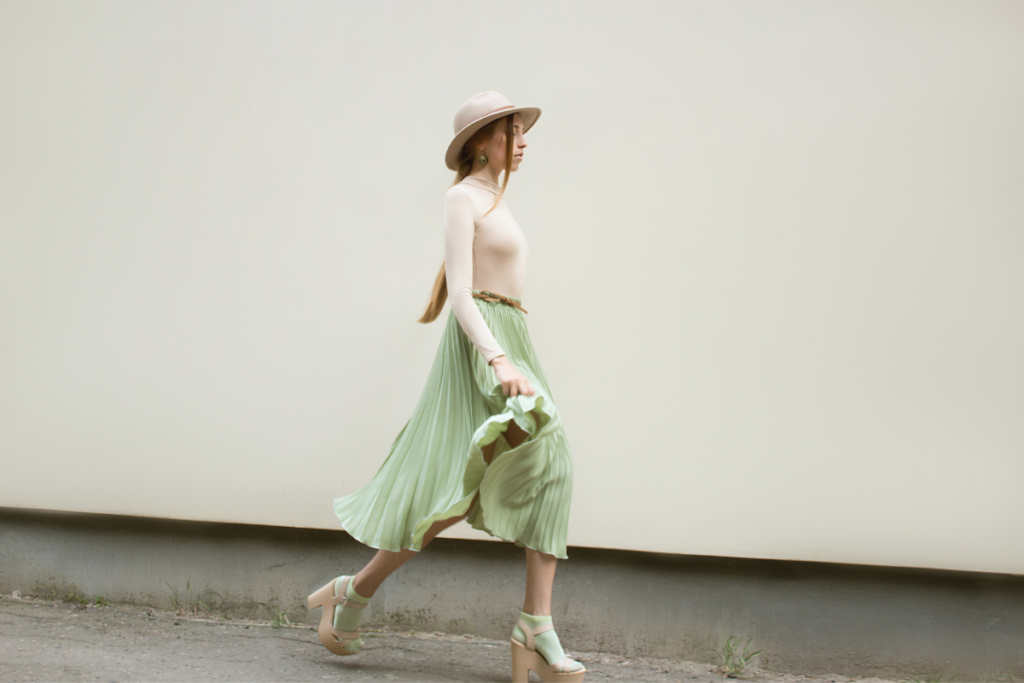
[{"x": 42, "y": 640}]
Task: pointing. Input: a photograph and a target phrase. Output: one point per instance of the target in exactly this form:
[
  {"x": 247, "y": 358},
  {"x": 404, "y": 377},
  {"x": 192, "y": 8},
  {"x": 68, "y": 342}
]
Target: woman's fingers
[{"x": 517, "y": 386}]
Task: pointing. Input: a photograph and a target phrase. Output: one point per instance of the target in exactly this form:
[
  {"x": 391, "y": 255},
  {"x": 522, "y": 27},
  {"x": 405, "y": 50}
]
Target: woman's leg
[
  {"x": 540, "y": 578},
  {"x": 385, "y": 562}
]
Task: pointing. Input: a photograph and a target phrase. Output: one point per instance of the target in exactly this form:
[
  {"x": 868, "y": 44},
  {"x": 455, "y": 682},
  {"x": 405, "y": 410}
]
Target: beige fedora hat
[{"x": 477, "y": 112}]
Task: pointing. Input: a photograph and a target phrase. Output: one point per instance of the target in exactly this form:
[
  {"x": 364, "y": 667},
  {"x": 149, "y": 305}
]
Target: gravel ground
[{"x": 44, "y": 640}]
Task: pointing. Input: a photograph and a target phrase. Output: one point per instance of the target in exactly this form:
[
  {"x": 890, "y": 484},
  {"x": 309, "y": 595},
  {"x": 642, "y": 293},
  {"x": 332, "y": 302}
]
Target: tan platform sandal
[
  {"x": 525, "y": 657},
  {"x": 334, "y": 640}
]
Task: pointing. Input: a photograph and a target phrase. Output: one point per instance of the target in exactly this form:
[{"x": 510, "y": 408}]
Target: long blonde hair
[{"x": 440, "y": 292}]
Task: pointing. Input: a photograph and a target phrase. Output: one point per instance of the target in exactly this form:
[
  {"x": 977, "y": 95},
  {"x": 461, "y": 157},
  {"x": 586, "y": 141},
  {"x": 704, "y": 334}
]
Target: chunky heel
[
  {"x": 321, "y": 597},
  {"x": 526, "y": 658},
  {"x": 521, "y": 661},
  {"x": 334, "y": 640}
]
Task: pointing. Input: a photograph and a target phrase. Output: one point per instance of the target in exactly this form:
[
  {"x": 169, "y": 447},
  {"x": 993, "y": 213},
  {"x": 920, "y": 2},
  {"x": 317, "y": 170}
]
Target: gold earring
[{"x": 482, "y": 159}]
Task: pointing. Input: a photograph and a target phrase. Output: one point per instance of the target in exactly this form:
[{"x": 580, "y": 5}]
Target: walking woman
[{"x": 485, "y": 441}]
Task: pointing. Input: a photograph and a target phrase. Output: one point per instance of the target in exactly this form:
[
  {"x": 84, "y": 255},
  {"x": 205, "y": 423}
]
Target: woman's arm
[{"x": 459, "y": 229}]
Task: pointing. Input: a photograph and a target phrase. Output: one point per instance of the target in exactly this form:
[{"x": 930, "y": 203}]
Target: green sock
[
  {"x": 347, "y": 618},
  {"x": 547, "y": 643}
]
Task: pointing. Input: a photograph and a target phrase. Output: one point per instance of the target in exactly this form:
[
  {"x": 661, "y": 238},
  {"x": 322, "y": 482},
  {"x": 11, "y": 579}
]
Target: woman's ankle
[
  {"x": 546, "y": 642},
  {"x": 537, "y": 610},
  {"x": 362, "y": 588}
]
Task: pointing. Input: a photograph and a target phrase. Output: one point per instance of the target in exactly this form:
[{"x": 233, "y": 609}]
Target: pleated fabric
[{"x": 435, "y": 465}]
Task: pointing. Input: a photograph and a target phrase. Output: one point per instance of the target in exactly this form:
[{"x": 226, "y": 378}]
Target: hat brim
[{"x": 451, "y": 157}]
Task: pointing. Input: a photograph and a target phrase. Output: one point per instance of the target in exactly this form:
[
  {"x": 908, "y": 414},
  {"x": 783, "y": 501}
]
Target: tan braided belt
[{"x": 493, "y": 296}]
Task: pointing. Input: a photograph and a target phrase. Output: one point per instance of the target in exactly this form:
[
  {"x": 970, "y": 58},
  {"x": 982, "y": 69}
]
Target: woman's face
[{"x": 495, "y": 149}]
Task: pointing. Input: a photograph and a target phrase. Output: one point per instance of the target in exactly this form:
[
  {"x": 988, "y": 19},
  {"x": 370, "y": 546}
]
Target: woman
[{"x": 485, "y": 442}]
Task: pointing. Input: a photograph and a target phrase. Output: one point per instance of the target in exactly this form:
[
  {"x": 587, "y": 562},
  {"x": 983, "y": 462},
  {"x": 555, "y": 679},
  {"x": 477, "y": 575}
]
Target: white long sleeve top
[{"x": 482, "y": 253}]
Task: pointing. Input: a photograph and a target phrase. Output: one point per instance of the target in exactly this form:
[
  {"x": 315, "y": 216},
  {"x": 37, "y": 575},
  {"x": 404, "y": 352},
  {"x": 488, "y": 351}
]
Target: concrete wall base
[{"x": 806, "y": 617}]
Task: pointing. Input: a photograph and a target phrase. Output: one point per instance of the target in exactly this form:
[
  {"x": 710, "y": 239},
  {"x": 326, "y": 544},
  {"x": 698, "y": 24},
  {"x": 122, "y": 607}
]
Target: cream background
[{"x": 776, "y": 273}]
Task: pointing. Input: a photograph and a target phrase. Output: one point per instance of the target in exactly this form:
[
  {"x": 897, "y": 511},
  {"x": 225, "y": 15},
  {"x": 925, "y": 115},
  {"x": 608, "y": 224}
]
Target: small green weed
[
  {"x": 69, "y": 593},
  {"x": 735, "y": 661},
  {"x": 44, "y": 591},
  {"x": 189, "y": 603},
  {"x": 73, "y": 595},
  {"x": 281, "y": 620}
]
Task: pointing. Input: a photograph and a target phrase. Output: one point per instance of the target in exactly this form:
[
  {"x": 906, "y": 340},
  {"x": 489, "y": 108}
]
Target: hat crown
[{"x": 479, "y": 106}]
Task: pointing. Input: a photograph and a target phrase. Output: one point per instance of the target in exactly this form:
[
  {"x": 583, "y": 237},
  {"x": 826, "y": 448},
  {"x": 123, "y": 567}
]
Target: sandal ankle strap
[
  {"x": 530, "y": 633},
  {"x": 342, "y": 599}
]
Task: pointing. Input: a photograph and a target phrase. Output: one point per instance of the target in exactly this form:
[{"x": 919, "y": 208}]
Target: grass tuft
[{"x": 735, "y": 660}]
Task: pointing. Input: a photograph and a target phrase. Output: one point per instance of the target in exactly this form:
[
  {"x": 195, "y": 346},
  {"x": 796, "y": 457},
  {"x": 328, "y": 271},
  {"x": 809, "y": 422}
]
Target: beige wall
[{"x": 775, "y": 272}]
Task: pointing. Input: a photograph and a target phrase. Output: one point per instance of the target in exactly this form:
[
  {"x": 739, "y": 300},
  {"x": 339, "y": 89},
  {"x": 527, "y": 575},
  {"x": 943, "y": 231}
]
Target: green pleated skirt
[{"x": 435, "y": 466}]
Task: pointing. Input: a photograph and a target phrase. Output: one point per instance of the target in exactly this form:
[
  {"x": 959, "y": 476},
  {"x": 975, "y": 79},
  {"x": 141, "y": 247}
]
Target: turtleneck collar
[{"x": 482, "y": 183}]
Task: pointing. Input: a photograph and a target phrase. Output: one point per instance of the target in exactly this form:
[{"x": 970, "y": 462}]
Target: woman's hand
[{"x": 513, "y": 382}]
